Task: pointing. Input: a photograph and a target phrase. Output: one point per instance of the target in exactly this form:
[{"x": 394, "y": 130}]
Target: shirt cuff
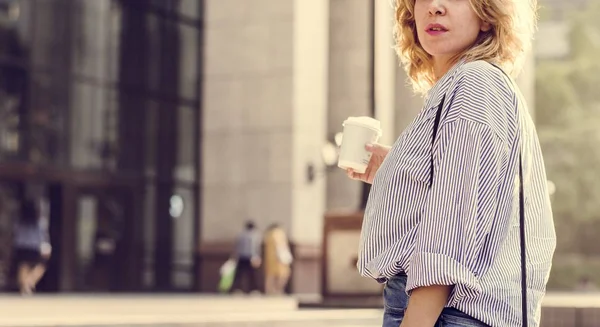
[{"x": 427, "y": 269}]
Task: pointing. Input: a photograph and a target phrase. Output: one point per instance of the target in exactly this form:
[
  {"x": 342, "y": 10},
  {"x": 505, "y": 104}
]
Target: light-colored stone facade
[
  {"x": 248, "y": 115},
  {"x": 265, "y": 110}
]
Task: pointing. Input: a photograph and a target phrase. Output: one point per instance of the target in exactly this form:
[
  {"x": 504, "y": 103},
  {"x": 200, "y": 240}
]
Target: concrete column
[
  {"x": 349, "y": 85},
  {"x": 385, "y": 70},
  {"x": 310, "y": 100}
]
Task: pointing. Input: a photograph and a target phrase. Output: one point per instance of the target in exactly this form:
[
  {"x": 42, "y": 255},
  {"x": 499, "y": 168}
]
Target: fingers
[
  {"x": 351, "y": 173},
  {"x": 354, "y": 175},
  {"x": 378, "y": 149}
]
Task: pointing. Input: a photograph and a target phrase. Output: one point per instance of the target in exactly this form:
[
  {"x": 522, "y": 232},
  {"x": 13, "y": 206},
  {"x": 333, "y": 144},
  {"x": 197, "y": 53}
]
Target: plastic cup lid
[{"x": 365, "y": 121}]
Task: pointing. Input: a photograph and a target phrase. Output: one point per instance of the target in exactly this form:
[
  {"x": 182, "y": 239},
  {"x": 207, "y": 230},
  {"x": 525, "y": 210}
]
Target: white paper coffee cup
[{"x": 358, "y": 132}]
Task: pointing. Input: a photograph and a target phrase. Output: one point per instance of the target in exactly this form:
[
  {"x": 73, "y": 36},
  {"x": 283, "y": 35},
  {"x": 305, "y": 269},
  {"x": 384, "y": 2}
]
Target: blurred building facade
[
  {"x": 160, "y": 126},
  {"x": 99, "y": 107}
]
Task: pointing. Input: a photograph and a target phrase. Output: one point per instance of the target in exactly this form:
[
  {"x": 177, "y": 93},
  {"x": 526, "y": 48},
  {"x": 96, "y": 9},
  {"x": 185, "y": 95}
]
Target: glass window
[
  {"x": 15, "y": 29},
  {"x": 149, "y": 235},
  {"x": 128, "y": 131},
  {"x": 113, "y": 43},
  {"x": 165, "y": 5},
  {"x": 93, "y": 127},
  {"x": 189, "y": 8},
  {"x": 9, "y": 204},
  {"x": 151, "y": 132},
  {"x": 138, "y": 54},
  {"x": 13, "y": 92},
  {"x": 50, "y": 31},
  {"x": 153, "y": 52},
  {"x": 187, "y": 148},
  {"x": 188, "y": 62},
  {"x": 46, "y": 121},
  {"x": 186, "y": 8},
  {"x": 179, "y": 72},
  {"x": 90, "y": 38},
  {"x": 182, "y": 212}
]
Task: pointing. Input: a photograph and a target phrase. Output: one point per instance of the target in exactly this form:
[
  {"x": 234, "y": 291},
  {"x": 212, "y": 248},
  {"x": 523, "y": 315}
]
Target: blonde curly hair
[{"x": 506, "y": 44}]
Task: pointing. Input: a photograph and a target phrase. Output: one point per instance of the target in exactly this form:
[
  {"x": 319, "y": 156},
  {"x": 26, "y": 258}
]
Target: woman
[
  {"x": 441, "y": 227},
  {"x": 31, "y": 246},
  {"x": 278, "y": 259}
]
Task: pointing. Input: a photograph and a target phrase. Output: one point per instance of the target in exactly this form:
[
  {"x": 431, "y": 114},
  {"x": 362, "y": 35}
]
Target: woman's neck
[{"x": 441, "y": 66}]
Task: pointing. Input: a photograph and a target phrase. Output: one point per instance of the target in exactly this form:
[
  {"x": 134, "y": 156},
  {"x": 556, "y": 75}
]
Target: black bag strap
[
  {"x": 436, "y": 124},
  {"x": 523, "y": 249},
  {"x": 524, "y": 308}
]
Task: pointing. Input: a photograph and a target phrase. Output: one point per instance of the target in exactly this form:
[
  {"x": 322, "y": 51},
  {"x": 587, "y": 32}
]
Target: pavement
[
  {"x": 173, "y": 311},
  {"x": 153, "y": 310}
]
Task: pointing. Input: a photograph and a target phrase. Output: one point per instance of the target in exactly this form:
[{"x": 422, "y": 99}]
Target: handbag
[
  {"x": 227, "y": 272},
  {"x": 521, "y": 212},
  {"x": 284, "y": 255}
]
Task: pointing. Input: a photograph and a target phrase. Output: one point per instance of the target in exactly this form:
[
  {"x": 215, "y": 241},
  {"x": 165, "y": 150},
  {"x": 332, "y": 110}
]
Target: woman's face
[{"x": 446, "y": 28}]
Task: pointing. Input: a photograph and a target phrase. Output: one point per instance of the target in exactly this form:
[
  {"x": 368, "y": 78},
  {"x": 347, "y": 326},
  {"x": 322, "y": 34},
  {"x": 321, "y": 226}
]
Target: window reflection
[
  {"x": 188, "y": 61},
  {"x": 149, "y": 234},
  {"x": 93, "y": 127},
  {"x": 9, "y": 203},
  {"x": 13, "y": 76},
  {"x": 44, "y": 131},
  {"x": 10, "y": 105},
  {"x": 49, "y": 30},
  {"x": 13, "y": 32},
  {"x": 183, "y": 236},
  {"x": 90, "y": 38},
  {"x": 154, "y": 51},
  {"x": 151, "y": 131},
  {"x": 186, "y": 149},
  {"x": 189, "y": 8},
  {"x": 114, "y": 26}
]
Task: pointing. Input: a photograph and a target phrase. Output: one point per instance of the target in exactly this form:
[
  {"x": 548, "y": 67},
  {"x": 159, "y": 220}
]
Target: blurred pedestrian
[
  {"x": 31, "y": 244},
  {"x": 278, "y": 259},
  {"x": 248, "y": 256}
]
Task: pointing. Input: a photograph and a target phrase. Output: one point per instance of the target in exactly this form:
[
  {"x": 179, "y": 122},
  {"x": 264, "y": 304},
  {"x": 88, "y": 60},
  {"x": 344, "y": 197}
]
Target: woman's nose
[{"x": 436, "y": 8}]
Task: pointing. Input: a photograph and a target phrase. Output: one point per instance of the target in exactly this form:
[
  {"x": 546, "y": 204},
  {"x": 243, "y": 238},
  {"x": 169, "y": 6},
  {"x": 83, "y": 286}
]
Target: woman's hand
[{"x": 379, "y": 153}]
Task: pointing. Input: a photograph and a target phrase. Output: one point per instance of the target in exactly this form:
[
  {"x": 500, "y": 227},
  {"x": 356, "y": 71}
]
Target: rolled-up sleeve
[{"x": 459, "y": 210}]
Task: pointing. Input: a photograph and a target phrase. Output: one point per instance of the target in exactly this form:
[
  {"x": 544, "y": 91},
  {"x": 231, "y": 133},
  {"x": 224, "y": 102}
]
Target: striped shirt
[{"x": 462, "y": 227}]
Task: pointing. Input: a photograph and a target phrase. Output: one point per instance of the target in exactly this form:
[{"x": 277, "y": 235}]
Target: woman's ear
[{"x": 485, "y": 26}]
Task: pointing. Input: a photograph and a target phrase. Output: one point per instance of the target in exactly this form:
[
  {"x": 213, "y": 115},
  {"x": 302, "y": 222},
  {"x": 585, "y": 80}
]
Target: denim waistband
[{"x": 383, "y": 280}]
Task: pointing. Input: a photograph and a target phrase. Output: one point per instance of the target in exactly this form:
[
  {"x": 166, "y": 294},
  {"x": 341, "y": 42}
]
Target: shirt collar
[{"x": 438, "y": 90}]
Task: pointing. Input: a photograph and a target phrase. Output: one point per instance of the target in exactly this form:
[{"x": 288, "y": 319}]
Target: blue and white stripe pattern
[{"x": 462, "y": 228}]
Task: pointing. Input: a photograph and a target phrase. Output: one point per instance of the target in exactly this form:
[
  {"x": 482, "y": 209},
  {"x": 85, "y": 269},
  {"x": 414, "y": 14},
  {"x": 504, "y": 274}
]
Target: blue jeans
[{"x": 395, "y": 302}]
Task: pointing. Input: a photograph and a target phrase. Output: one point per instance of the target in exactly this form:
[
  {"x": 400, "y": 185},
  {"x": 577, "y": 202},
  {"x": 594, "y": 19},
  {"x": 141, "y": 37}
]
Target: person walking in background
[
  {"x": 451, "y": 199},
  {"x": 247, "y": 254},
  {"x": 32, "y": 249},
  {"x": 278, "y": 259}
]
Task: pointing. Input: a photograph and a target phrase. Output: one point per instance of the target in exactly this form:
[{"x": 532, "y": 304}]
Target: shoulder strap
[
  {"x": 524, "y": 307},
  {"x": 436, "y": 124}
]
